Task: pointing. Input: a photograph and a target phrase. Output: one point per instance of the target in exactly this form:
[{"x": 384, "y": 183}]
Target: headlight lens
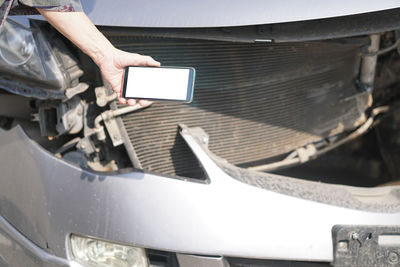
[
  {"x": 36, "y": 58},
  {"x": 19, "y": 54},
  {"x": 92, "y": 252},
  {"x": 16, "y": 44}
]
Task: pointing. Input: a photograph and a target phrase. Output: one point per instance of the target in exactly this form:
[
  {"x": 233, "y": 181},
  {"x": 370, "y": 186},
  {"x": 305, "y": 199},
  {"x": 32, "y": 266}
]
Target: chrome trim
[{"x": 201, "y": 261}]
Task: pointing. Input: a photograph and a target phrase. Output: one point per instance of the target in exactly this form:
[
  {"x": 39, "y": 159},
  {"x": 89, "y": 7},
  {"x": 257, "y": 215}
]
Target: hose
[
  {"x": 310, "y": 152},
  {"x": 110, "y": 114},
  {"x": 384, "y": 50}
]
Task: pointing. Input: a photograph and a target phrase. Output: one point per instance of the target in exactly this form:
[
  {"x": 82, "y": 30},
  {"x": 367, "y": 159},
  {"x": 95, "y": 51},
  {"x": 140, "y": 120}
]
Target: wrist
[{"x": 100, "y": 55}]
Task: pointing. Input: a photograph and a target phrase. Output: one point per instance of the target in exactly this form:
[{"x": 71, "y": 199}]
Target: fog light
[{"x": 92, "y": 252}]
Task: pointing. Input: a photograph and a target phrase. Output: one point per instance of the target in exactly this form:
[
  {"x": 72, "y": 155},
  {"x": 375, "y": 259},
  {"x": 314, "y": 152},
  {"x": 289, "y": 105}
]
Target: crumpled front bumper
[{"x": 46, "y": 199}]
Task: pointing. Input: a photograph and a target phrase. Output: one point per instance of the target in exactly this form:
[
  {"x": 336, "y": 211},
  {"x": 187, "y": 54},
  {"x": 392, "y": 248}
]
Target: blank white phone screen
[{"x": 158, "y": 83}]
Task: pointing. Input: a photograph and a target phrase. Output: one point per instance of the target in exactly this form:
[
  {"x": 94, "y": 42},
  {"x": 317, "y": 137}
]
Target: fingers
[
  {"x": 131, "y": 102},
  {"x": 147, "y": 61},
  {"x": 143, "y": 102},
  {"x": 140, "y": 60},
  {"x": 113, "y": 71},
  {"x": 151, "y": 62},
  {"x": 118, "y": 91}
]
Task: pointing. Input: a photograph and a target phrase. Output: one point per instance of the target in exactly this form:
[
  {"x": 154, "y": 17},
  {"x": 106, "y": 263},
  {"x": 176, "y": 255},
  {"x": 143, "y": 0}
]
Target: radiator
[{"x": 256, "y": 101}]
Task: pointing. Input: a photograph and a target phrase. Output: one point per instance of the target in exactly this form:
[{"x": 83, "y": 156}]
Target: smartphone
[{"x": 159, "y": 83}]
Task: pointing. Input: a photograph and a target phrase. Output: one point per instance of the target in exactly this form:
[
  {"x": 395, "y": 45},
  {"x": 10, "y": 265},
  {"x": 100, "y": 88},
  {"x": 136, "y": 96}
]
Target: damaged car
[{"x": 287, "y": 156}]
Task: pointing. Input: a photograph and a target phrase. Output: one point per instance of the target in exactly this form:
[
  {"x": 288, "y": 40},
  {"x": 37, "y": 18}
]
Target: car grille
[{"x": 255, "y": 100}]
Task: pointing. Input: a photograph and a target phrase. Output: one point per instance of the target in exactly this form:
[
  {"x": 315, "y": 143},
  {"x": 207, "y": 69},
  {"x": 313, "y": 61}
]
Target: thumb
[
  {"x": 147, "y": 61},
  {"x": 133, "y": 59}
]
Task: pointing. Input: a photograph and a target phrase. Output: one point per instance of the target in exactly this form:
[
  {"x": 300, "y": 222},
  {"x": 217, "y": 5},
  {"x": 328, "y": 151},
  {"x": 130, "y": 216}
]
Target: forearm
[
  {"x": 89, "y": 39},
  {"x": 77, "y": 27}
]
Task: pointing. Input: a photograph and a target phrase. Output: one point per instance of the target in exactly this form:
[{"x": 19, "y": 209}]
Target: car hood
[{"x": 222, "y": 13}]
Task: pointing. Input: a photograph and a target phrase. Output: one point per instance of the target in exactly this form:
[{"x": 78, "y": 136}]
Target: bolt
[
  {"x": 393, "y": 257},
  {"x": 355, "y": 236}
]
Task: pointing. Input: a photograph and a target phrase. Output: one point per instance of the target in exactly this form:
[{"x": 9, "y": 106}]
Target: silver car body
[
  {"x": 225, "y": 13},
  {"x": 44, "y": 199}
]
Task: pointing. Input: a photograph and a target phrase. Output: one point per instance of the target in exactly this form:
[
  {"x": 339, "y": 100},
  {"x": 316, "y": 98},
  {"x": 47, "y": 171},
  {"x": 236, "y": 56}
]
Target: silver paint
[
  {"x": 207, "y": 13},
  {"x": 17, "y": 250},
  {"x": 51, "y": 199}
]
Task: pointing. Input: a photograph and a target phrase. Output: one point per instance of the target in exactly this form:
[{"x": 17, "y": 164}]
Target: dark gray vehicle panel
[
  {"x": 177, "y": 13},
  {"x": 17, "y": 250}
]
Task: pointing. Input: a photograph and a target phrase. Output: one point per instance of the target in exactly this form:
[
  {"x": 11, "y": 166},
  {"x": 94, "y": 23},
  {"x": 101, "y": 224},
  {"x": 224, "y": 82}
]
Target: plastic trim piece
[
  {"x": 201, "y": 261},
  {"x": 360, "y": 246},
  {"x": 45, "y": 258}
]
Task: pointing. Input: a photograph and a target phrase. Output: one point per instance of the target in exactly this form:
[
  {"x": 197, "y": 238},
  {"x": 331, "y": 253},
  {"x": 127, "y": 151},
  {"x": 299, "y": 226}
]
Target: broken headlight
[
  {"x": 35, "y": 58},
  {"x": 16, "y": 44}
]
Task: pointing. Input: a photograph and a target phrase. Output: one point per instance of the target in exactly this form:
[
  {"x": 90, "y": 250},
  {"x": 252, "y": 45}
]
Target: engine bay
[{"x": 323, "y": 111}]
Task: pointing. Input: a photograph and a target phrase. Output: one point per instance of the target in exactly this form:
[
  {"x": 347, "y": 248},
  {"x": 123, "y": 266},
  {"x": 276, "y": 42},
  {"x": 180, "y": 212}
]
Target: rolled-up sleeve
[
  {"x": 57, "y": 5},
  {"x": 28, "y": 7}
]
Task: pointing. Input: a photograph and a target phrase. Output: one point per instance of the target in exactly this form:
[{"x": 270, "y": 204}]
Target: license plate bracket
[{"x": 367, "y": 246}]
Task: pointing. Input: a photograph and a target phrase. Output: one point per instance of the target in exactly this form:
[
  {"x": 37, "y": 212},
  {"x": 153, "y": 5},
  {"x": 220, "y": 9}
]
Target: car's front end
[{"x": 286, "y": 157}]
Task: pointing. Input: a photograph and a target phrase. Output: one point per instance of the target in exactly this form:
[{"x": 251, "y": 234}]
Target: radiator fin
[{"x": 256, "y": 101}]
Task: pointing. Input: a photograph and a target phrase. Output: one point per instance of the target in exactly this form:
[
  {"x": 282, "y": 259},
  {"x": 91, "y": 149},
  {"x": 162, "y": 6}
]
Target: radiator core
[{"x": 255, "y": 100}]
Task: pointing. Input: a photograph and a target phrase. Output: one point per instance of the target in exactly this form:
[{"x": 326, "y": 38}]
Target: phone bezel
[{"x": 190, "y": 89}]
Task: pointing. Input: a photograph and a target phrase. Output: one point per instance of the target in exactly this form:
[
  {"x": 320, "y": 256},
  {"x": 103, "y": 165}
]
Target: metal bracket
[
  {"x": 113, "y": 130},
  {"x": 86, "y": 146},
  {"x": 80, "y": 88},
  {"x": 102, "y": 96},
  {"x": 70, "y": 116},
  {"x": 367, "y": 246},
  {"x": 108, "y": 117}
]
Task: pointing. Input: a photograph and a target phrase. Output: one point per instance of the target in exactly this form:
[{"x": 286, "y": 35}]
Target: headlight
[
  {"x": 37, "y": 60},
  {"x": 92, "y": 252},
  {"x": 19, "y": 54},
  {"x": 16, "y": 44}
]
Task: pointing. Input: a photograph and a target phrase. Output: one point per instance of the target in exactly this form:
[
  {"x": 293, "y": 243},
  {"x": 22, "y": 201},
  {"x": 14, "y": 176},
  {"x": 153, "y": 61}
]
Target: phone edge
[
  {"x": 191, "y": 83},
  {"x": 125, "y": 81}
]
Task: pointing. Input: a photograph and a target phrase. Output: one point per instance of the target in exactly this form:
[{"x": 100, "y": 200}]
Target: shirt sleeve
[{"x": 56, "y": 5}]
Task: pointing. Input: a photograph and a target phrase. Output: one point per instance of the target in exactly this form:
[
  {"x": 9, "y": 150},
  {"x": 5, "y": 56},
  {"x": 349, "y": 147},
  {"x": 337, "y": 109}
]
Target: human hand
[
  {"x": 78, "y": 28},
  {"x": 112, "y": 66}
]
